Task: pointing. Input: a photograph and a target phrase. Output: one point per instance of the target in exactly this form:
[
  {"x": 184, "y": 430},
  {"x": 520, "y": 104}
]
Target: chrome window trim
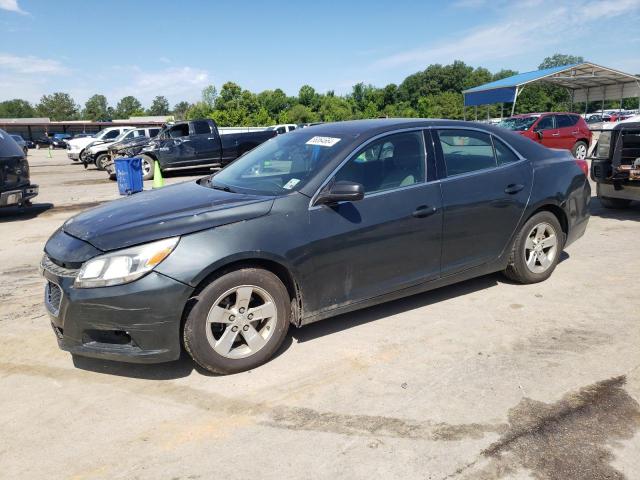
[{"x": 358, "y": 149}]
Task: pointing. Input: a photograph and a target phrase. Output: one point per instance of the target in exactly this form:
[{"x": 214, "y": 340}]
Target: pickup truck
[
  {"x": 615, "y": 166},
  {"x": 197, "y": 144}
]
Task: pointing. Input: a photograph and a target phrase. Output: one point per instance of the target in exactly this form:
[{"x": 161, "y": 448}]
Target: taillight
[{"x": 584, "y": 166}]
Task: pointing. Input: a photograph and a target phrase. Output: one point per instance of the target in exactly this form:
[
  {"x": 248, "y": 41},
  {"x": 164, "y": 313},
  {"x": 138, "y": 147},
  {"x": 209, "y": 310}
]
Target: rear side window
[
  {"x": 391, "y": 162},
  {"x": 292, "y": 128},
  {"x": 153, "y": 132},
  {"x": 466, "y": 151},
  {"x": 201, "y": 127},
  {"x": 504, "y": 154},
  {"x": 564, "y": 121}
]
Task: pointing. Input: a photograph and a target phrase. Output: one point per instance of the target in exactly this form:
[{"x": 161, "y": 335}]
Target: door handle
[
  {"x": 575, "y": 133},
  {"x": 513, "y": 188},
  {"x": 555, "y": 134},
  {"x": 424, "y": 211},
  {"x": 211, "y": 138}
]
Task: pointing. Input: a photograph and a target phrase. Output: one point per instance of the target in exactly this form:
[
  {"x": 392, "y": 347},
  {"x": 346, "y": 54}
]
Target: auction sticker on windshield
[
  {"x": 291, "y": 183},
  {"x": 323, "y": 141}
]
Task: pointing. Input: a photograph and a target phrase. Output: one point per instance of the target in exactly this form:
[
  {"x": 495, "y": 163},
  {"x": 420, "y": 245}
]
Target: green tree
[
  {"x": 307, "y": 96},
  {"x": 559, "y": 60},
  {"x": 299, "y": 114},
  {"x": 96, "y": 108},
  {"x": 159, "y": 106},
  {"x": 16, "y": 108},
  {"x": 57, "y": 106},
  {"x": 129, "y": 107},
  {"x": 180, "y": 110}
]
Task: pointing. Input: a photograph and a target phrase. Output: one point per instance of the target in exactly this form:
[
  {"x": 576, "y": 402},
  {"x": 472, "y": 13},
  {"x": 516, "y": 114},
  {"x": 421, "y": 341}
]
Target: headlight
[
  {"x": 124, "y": 266},
  {"x": 604, "y": 145}
]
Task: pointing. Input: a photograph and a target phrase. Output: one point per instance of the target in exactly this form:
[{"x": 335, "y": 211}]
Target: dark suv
[{"x": 15, "y": 187}]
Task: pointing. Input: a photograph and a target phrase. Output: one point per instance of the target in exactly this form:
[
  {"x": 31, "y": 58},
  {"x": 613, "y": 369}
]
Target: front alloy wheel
[
  {"x": 238, "y": 321},
  {"x": 241, "y": 321}
]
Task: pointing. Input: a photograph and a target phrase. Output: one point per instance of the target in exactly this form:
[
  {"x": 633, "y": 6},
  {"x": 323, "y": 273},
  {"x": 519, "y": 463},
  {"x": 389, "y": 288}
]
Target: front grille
[{"x": 52, "y": 298}]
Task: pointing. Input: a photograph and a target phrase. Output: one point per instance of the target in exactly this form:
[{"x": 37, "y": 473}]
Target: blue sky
[{"x": 175, "y": 48}]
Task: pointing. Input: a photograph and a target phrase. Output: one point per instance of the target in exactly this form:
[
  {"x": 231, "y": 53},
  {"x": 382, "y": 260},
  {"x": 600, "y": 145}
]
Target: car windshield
[
  {"x": 518, "y": 124},
  {"x": 280, "y": 165}
]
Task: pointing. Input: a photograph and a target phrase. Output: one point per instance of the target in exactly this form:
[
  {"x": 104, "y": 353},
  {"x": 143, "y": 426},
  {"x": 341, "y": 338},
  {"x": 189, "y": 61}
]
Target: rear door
[
  {"x": 206, "y": 143},
  {"x": 484, "y": 193},
  {"x": 567, "y": 131}
]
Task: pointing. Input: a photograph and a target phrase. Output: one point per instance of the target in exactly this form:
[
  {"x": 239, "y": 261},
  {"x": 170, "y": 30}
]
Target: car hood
[
  {"x": 80, "y": 142},
  {"x": 151, "y": 215}
]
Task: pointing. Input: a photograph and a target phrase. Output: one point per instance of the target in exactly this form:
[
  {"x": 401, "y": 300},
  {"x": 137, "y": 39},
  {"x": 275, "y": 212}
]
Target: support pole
[
  {"x": 586, "y": 104},
  {"x": 515, "y": 99},
  {"x": 573, "y": 94},
  {"x": 464, "y": 112},
  {"x": 621, "y": 97},
  {"x": 604, "y": 96},
  {"x": 476, "y": 110}
]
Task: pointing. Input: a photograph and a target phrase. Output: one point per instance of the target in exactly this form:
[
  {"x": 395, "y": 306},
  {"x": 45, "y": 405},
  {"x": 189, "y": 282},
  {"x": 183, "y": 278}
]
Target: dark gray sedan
[{"x": 318, "y": 222}]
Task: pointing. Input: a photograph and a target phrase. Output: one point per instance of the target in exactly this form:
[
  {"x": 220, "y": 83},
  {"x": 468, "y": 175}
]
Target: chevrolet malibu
[{"x": 319, "y": 222}]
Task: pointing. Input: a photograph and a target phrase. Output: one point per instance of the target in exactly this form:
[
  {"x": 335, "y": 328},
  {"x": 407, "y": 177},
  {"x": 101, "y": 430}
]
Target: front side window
[
  {"x": 466, "y": 151},
  {"x": 111, "y": 134},
  {"x": 392, "y": 162},
  {"x": 545, "y": 123}
]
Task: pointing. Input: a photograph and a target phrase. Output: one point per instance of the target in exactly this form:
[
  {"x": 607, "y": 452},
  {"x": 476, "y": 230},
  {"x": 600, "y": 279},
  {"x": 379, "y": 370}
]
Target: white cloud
[
  {"x": 31, "y": 65},
  {"x": 175, "y": 83},
  {"x": 11, "y": 6},
  {"x": 525, "y": 27}
]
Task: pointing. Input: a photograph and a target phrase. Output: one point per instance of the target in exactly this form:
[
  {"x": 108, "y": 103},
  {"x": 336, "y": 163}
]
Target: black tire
[
  {"x": 195, "y": 334},
  {"x": 517, "y": 269},
  {"x": 102, "y": 160},
  {"x": 148, "y": 160},
  {"x": 616, "y": 203},
  {"x": 582, "y": 147}
]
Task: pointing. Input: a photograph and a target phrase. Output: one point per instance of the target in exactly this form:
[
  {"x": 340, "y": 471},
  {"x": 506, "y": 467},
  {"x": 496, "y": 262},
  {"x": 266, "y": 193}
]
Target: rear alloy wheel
[
  {"x": 536, "y": 249},
  {"x": 147, "y": 167},
  {"x": 617, "y": 203},
  {"x": 239, "y": 322},
  {"x": 102, "y": 160},
  {"x": 580, "y": 150}
]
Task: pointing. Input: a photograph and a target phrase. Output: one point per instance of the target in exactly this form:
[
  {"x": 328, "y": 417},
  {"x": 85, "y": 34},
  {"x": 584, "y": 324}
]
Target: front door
[
  {"x": 389, "y": 240},
  {"x": 484, "y": 195},
  {"x": 547, "y": 128}
]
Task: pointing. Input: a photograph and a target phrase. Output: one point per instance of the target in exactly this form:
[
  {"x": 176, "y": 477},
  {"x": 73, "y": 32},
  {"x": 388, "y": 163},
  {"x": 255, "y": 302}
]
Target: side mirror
[
  {"x": 342, "y": 191},
  {"x": 539, "y": 133}
]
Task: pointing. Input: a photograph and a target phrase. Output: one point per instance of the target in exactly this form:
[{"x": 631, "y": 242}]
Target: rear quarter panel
[{"x": 559, "y": 182}]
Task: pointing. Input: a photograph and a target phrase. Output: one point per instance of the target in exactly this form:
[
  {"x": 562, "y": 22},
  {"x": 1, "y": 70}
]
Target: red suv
[{"x": 568, "y": 131}]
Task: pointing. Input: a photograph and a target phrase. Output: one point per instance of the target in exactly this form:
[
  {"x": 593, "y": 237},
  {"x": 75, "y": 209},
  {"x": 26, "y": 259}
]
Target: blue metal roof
[{"x": 521, "y": 78}]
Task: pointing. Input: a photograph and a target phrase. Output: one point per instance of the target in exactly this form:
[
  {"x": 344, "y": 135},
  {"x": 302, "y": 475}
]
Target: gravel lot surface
[{"x": 484, "y": 379}]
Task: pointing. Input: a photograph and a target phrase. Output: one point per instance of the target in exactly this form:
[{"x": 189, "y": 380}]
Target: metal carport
[{"x": 586, "y": 81}]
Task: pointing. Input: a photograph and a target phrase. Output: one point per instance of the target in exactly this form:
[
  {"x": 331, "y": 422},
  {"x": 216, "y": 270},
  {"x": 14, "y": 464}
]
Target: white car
[
  {"x": 98, "y": 151},
  {"x": 76, "y": 146}
]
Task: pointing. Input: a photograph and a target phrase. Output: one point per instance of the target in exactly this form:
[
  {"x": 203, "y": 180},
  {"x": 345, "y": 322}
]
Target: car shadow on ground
[
  {"x": 14, "y": 214},
  {"x": 632, "y": 212}
]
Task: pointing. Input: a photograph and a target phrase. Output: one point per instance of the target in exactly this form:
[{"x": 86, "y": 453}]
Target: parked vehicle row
[{"x": 308, "y": 225}]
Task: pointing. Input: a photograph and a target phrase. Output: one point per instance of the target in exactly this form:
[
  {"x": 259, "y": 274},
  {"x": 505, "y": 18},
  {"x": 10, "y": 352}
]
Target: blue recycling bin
[{"x": 129, "y": 175}]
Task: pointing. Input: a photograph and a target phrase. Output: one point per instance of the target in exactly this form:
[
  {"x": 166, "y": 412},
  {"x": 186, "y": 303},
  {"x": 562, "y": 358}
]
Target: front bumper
[
  {"x": 137, "y": 322},
  {"x": 18, "y": 195},
  {"x": 73, "y": 155}
]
